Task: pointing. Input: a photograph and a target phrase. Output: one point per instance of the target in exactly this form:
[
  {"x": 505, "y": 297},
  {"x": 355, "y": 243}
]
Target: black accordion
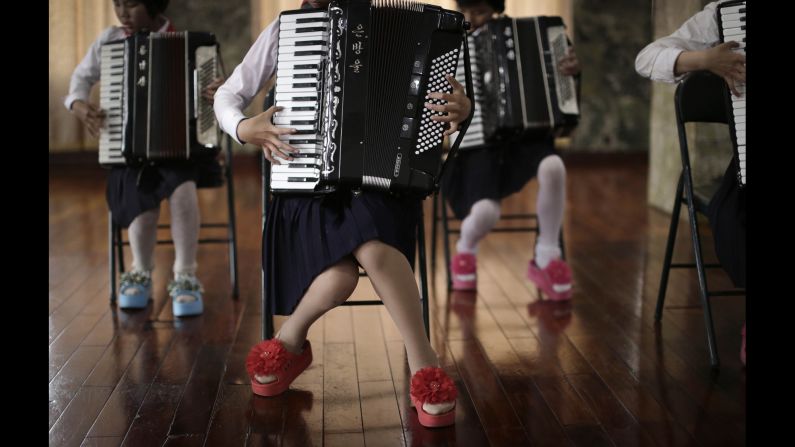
[
  {"x": 150, "y": 90},
  {"x": 518, "y": 88},
  {"x": 352, "y": 80},
  {"x": 731, "y": 25}
]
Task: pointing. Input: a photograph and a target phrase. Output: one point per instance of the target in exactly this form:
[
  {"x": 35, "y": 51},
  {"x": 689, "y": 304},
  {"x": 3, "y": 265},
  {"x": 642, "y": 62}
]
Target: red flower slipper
[
  {"x": 270, "y": 358},
  {"x": 432, "y": 385}
]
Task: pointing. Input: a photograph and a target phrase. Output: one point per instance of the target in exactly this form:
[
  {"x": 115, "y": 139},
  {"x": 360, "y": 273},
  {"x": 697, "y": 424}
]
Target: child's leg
[
  {"x": 143, "y": 237},
  {"x": 184, "y": 205},
  {"x": 391, "y": 275},
  {"x": 327, "y": 291},
  {"x": 481, "y": 219},
  {"x": 551, "y": 199}
]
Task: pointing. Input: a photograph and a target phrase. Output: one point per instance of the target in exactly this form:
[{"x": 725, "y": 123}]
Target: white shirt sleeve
[
  {"x": 247, "y": 80},
  {"x": 657, "y": 60},
  {"x": 87, "y": 72}
]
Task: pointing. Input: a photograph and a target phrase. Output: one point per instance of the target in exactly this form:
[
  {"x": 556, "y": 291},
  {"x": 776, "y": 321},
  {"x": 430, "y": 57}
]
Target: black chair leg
[
  {"x": 232, "y": 228},
  {"x": 120, "y": 250},
  {"x": 267, "y": 316},
  {"x": 112, "y": 258},
  {"x": 434, "y": 213},
  {"x": 446, "y": 235},
  {"x": 669, "y": 249},
  {"x": 423, "y": 273},
  {"x": 702, "y": 279}
]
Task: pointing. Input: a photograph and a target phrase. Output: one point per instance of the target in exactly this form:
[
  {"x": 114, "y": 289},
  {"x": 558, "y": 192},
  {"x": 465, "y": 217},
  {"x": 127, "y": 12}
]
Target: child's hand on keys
[
  {"x": 457, "y": 107},
  {"x": 260, "y": 130}
]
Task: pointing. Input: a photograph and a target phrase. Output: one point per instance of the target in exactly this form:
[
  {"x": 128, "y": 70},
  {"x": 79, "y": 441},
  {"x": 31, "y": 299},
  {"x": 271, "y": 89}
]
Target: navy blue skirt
[
  {"x": 134, "y": 190},
  {"x": 492, "y": 173},
  {"x": 304, "y": 236},
  {"x": 726, "y": 214}
]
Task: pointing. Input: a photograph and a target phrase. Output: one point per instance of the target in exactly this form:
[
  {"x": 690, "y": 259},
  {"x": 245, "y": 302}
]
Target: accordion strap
[{"x": 465, "y": 123}]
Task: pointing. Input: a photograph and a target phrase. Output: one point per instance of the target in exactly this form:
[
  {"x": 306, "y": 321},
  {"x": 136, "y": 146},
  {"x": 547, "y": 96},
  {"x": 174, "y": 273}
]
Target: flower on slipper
[
  {"x": 432, "y": 385},
  {"x": 136, "y": 277},
  {"x": 266, "y": 357},
  {"x": 558, "y": 271}
]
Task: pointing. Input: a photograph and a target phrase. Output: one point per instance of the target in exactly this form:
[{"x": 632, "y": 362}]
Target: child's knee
[{"x": 551, "y": 169}]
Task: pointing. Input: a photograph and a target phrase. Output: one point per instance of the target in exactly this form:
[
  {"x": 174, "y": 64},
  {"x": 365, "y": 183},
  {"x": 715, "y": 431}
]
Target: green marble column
[{"x": 608, "y": 34}]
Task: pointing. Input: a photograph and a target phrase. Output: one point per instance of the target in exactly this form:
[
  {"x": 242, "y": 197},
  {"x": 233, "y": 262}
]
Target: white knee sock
[
  {"x": 551, "y": 201},
  {"x": 481, "y": 219}
]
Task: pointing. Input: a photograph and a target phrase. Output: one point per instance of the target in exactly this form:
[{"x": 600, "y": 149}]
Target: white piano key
[
  {"x": 285, "y": 116},
  {"x": 307, "y": 150},
  {"x": 286, "y": 177},
  {"x": 311, "y": 59},
  {"x": 289, "y": 80},
  {"x": 739, "y": 126},
  {"x": 295, "y": 33},
  {"x": 303, "y": 37},
  {"x": 733, "y": 10},
  {"x": 278, "y": 185},
  {"x": 300, "y": 127},
  {"x": 287, "y": 121},
  {"x": 288, "y": 104},
  {"x": 297, "y": 96},
  {"x": 290, "y": 65},
  {"x": 289, "y": 73},
  {"x": 734, "y": 32},
  {"x": 305, "y": 161},
  {"x": 314, "y": 137},
  {"x": 290, "y": 18},
  {"x": 734, "y": 38},
  {"x": 297, "y": 26},
  {"x": 286, "y": 168},
  {"x": 294, "y": 49}
]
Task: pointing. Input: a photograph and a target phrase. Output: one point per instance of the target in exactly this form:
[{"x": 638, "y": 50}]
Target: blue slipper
[
  {"x": 182, "y": 286},
  {"x": 135, "y": 290}
]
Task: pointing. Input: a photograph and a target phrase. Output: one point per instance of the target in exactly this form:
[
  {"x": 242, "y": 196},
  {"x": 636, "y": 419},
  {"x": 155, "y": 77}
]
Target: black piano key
[
  {"x": 310, "y": 30},
  {"x": 307, "y": 43},
  {"x": 302, "y": 179},
  {"x": 309, "y": 53},
  {"x": 305, "y": 84},
  {"x": 310, "y": 20},
  {"x": 306, "y": 67},
  {"x": 300, "y": 122}
]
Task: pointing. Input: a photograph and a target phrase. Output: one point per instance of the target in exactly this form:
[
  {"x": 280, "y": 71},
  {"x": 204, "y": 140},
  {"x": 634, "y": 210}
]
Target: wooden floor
[{"x": 529, "y": 372}]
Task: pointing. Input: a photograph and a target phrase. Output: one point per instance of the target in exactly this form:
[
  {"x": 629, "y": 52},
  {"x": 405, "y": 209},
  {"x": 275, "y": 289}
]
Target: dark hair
[
  {"x": 496, "y": 5},
  {"x": 154, "y": 7}
]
